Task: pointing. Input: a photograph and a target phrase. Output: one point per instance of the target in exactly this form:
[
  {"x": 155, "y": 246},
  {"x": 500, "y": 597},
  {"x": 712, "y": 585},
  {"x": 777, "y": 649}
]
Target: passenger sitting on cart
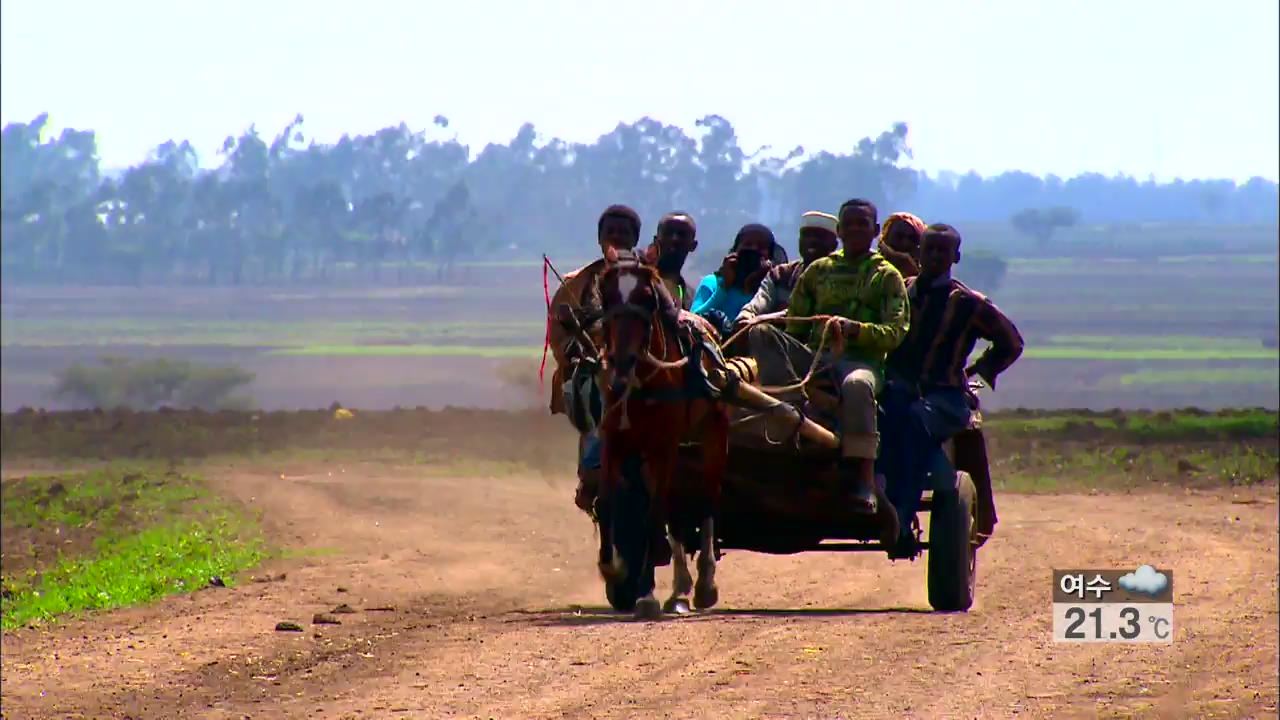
[
  {"x": 724, "y": 292},
  {"x": 673, "y": 241},
  {"x": 900, "y": 237},
  {"x": 867, "y": 294},
  {"x": 618, "y": 227},
  {"x": 925, "y": 400},
  {"x": 817, "y": 240}
]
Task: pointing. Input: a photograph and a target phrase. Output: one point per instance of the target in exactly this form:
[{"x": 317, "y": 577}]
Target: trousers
[
  {"x": 916, "y": 425},
  {"x": 784, "y": 360}
]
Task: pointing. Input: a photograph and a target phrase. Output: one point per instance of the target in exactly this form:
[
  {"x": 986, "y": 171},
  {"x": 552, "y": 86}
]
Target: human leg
[
  {"x": 588, "y": 471},
  {"x": 919, "y": 426},
  {"x": 971, "y": 456},
  {"x": 781, "y": 358},
  {"x": 859, "y": 438}
]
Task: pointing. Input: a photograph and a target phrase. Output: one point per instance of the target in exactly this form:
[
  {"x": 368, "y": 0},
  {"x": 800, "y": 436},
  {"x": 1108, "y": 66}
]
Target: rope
[{"x": 831, "y": 326}]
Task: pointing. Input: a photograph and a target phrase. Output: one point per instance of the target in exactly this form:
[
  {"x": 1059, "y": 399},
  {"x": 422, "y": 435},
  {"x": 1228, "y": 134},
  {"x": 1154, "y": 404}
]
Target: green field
[
  {"x": 133, "y": 331},
  {"x": 1157, "y": 333},
  {"x": 1070, "y": 352},
  {"x": 1141, "y": 427},
  {"x": 112, "y": 538},
  {"x": 482, "y": 351},
  {"x": 1261, "y": 377}
]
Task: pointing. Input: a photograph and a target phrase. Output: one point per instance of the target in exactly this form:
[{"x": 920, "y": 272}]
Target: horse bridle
[{"x": 631, "y": 308}]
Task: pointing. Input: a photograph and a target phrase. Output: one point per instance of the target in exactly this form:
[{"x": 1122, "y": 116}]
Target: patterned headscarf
[
  {"x": 898, "y": 217},
  {"x": 906, "y": 264}
]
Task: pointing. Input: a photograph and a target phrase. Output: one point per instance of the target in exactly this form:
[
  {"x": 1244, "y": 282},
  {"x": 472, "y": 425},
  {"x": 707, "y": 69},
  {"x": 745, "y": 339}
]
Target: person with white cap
[{"x": 817, "y": 240}]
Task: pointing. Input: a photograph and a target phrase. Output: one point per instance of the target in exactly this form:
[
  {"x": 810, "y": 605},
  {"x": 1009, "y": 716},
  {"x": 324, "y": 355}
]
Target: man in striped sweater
[{"x": 924, "y": 400}]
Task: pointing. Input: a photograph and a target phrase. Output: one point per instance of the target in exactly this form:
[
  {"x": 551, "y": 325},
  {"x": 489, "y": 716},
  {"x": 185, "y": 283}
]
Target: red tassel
[{"x": 546, "y": 343}]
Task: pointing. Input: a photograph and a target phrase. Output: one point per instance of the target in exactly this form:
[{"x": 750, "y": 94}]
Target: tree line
[{"x": 284, "y": 208}]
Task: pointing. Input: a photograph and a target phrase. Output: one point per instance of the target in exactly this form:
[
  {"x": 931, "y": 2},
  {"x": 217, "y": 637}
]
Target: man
[
  {"x": 817, "y": 240},
  {"x": 925, "y": 399},
  {"x": 868, "y": 295},
  {"x": 618, "y": 227},
  {"x": 673, "y": 240}
]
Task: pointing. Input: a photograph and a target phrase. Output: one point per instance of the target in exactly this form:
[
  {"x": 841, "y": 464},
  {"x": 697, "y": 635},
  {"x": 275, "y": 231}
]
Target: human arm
[
  {"x": 995, "y": 327},
  {"x": 760, "y": 303},
  {"x": 561, "y": 334},
  {"x": 803, "y": 303}
]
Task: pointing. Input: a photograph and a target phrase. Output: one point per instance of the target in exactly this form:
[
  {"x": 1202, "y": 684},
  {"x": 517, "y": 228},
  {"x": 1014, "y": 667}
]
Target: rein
[
  {"x": 635, "y": 386},
  {"x": 831, "y": 327}
]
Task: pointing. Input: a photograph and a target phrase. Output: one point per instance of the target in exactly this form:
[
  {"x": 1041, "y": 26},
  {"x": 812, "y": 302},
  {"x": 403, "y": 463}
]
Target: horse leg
[
  {"x": 610, "y": 563},
  {"x": 631, "y": 509},
  {"x": 705, "y": 593},
  {"x": 715, "y": 460},
  {"x": 683, "y": 581},
  {"x": 661, "y": 464}
]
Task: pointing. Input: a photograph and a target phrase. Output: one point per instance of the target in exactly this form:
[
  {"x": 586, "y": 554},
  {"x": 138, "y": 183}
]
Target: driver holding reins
[
  {"x": 867, "y": 300},
  {"x": 573, "y": 388}
]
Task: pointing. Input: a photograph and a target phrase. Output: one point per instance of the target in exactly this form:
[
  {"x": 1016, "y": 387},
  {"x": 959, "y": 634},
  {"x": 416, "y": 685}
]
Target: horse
[{"x": 653, "y": 402}]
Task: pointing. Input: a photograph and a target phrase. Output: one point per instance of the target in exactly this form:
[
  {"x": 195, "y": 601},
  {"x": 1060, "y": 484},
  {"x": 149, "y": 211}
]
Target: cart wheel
[
  {"x": 952, "y": 562},
  {"x": 629, "y": 508}
]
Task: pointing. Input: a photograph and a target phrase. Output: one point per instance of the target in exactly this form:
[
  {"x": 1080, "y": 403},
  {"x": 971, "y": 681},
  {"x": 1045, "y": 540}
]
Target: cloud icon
[{"x": 1144, "y": 580}]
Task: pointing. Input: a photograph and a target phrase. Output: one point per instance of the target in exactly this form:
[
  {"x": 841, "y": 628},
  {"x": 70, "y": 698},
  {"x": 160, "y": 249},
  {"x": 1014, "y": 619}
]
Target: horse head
[{"x": 630, "y": 298}]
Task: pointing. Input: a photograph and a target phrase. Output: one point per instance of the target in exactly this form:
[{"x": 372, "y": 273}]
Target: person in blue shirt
[{"x": 723, "y": 293}]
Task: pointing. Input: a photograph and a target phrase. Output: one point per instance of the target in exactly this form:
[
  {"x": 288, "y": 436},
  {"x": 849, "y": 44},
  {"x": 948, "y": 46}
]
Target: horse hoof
[
  {"x": 676, "y": 606},
  {"x": 705, "y": 597},
  {"x": 648, "y": 609}
]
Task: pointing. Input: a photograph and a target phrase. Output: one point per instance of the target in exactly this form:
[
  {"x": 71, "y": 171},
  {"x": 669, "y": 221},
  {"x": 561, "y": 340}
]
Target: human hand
[
  {"x": 755, "y": 278},
  {"x": 729, "y": 268},
  {"x": 565, "y": 315}
]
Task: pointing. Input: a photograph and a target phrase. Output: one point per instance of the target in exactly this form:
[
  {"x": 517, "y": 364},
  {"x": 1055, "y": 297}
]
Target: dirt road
[{"x": 495, "y": 611}]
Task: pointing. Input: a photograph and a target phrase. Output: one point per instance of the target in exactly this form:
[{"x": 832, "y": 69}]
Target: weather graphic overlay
[{"x": 1122, "y": 606}]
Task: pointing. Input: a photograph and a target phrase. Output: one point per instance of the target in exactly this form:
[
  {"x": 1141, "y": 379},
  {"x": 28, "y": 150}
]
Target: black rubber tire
[
  {"x": 630, "y": 511},
  {"x": 952, "y": 561}
]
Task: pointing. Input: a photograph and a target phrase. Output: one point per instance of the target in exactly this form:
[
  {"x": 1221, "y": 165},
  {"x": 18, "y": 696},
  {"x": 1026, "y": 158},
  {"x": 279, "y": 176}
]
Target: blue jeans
[
  {"x": 911, "y": 442},
  {"x": 589, "y": 457}
]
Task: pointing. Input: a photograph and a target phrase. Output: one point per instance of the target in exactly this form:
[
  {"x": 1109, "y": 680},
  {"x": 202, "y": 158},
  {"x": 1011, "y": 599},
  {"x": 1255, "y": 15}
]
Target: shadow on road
[{"x": 575, "y": 615}]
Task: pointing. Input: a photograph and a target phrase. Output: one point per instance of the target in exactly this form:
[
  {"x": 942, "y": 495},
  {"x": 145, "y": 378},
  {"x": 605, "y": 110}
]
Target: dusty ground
[{"x": 496, "y": 611}]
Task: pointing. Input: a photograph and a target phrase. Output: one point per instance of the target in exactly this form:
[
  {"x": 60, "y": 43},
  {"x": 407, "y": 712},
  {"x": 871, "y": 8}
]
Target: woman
[
  {"x": 900, "y": 237},
  {"x": 723, "y": 293}
]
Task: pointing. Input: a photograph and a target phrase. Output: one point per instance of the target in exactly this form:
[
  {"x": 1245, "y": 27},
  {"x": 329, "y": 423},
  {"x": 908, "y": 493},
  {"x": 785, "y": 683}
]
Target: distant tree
[
  {"x": 982, "y": 270},
  {"x": 1041, "y": 224},
  {"x": 282, "y": 208},
  {"x": 453, "y": 223}
]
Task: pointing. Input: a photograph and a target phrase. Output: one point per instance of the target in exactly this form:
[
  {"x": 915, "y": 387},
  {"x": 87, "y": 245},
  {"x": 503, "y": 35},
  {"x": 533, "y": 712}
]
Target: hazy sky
[{"x": 1166, "y": 87}]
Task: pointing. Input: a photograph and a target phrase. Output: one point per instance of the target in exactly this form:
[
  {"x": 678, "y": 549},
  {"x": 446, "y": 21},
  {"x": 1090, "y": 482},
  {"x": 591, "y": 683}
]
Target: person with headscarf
[
  {"x": 723, "y": 293},
  {"x": 900, "y": 238}
]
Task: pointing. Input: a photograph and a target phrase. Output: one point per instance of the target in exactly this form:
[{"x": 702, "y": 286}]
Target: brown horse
[{"x": 652, "y": 404}]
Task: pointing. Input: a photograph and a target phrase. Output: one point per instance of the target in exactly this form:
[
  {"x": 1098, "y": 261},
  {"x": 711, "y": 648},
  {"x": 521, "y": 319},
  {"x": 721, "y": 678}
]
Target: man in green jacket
[{"x": 868, "y": 296}]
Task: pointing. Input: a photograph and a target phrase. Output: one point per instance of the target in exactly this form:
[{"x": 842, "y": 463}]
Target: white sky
[{"x": 1174, "y": 88}]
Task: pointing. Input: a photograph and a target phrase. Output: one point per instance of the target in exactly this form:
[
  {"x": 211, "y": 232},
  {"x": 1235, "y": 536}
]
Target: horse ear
[{"x": 611, "y": 254}]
